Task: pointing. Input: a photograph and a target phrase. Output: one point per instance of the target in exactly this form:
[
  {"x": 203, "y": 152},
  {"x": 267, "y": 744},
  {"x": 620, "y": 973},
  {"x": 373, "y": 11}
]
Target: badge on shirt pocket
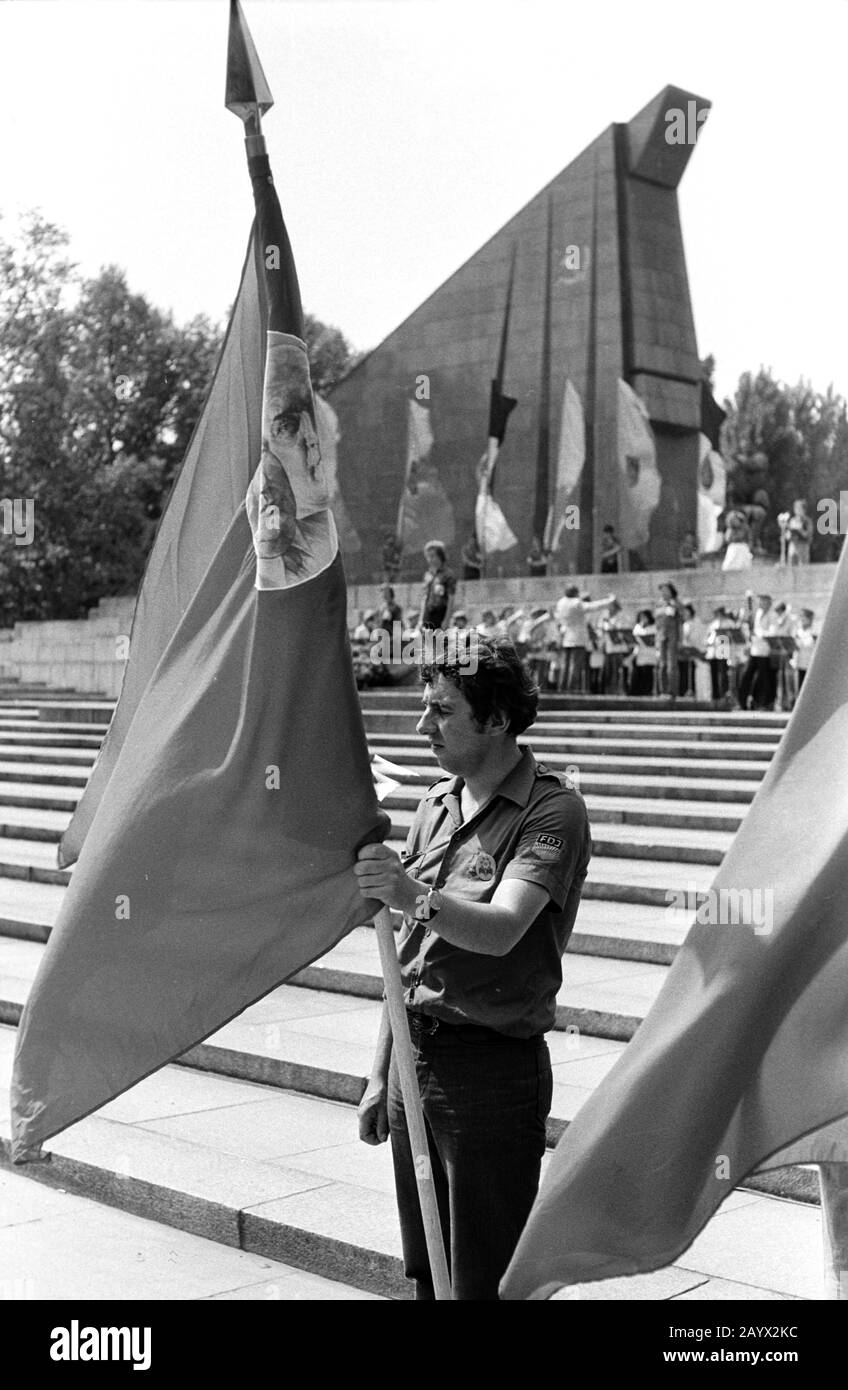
[{"x": 482, "y": 866}]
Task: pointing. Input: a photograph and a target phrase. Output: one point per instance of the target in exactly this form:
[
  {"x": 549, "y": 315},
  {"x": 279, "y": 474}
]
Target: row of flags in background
[
  {"x": 426, "y": 512},
  {"x": 640, "y": 483}
]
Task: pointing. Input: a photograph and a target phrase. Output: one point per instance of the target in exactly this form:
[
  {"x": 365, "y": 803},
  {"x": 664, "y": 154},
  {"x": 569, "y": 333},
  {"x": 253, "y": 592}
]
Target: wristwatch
[{"x": 427, "y": 905}]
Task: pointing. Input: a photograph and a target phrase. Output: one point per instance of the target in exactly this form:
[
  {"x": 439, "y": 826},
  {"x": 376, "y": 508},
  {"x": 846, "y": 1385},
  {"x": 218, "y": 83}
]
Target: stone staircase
[{"x": 251, "y": 1139}]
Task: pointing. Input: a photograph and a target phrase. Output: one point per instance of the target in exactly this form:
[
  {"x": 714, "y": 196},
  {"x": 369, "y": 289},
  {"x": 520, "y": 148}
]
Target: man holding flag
[
  {"x": 489, "y": 887},
  {"x": 217, "y": 835}
]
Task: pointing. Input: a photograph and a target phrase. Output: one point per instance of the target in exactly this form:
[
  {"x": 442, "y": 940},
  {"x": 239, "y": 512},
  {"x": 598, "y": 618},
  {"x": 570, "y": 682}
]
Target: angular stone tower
[{"x": 600, "y": 296}]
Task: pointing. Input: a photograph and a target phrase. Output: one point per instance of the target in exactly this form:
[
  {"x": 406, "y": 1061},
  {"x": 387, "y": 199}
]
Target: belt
[{"x": 426, "y": 1025}]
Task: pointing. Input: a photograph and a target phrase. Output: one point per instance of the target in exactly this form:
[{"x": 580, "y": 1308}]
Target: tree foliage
[{"x": 790, "y": 441}]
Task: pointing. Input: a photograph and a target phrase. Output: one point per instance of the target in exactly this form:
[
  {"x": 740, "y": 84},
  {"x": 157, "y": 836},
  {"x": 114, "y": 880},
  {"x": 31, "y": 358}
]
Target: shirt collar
[{"x": 516, "y": 786}]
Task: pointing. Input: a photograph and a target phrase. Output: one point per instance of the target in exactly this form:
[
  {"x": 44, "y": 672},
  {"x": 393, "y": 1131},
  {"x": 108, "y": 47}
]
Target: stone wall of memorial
[{"x": 601, "y": 246}]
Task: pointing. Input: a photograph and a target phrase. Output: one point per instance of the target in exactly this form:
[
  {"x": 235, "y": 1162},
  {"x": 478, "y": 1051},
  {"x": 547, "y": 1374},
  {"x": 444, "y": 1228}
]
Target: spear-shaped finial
[{"x": 247, "y": 94}]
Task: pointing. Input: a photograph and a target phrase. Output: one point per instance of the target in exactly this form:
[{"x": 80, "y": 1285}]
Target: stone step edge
[{"x": 372, "y": 1271}]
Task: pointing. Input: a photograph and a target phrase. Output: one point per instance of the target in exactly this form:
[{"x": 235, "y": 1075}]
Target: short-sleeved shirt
[
  {"x": 669, "y": 621},
  {"x": 438, "y": 588},
  {"x": 534, "y": 827}
]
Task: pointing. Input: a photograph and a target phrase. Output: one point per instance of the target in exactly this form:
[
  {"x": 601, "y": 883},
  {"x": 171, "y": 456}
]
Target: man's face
[
  {"x": 271, "y": 507},
  {"x": 433, "y": 561},
  {"x": 288, "y": 423},
  {"x": 448, "y": 724},
  {"x": 293, "y": 434},
  {"x": 765, "y": 602}
]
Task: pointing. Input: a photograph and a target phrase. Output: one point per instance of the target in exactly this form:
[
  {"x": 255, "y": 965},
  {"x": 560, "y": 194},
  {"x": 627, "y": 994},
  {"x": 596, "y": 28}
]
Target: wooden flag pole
[{"x": 402, "y": 1044}]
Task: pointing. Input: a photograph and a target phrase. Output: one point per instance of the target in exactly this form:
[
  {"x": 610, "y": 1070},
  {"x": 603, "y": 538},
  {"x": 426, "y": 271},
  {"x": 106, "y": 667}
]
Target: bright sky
[{"x": 406, "y": 132}]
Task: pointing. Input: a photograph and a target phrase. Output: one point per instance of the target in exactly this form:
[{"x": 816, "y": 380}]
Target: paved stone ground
[{"x": 54, "y": 1245}]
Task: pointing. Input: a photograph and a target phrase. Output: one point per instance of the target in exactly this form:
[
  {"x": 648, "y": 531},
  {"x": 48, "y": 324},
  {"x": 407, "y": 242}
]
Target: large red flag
[
  {"x": 742, "y": 1063},
  {"x": 217, "y": 837}
]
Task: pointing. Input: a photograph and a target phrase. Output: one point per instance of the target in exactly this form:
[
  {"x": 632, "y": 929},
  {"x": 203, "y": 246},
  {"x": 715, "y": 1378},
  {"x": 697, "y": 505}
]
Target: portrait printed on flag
[{"x": 294, "y": 535}]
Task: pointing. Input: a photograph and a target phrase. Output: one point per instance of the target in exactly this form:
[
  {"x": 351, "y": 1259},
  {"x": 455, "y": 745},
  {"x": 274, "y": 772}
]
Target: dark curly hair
[{"x": 497, "y": 684}]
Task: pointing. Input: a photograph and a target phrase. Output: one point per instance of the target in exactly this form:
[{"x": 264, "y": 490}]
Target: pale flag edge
[{"x": 74, "y": 836}]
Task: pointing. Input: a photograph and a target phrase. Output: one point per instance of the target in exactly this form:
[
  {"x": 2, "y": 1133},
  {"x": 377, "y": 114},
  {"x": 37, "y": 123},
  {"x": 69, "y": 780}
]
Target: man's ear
[{"x": 498, "y": 722}]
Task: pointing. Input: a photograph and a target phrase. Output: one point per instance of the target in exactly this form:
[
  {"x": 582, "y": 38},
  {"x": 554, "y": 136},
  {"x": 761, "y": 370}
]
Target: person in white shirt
[
  {"x": 644, "y": 656},
  {"x": 362, "y": 631},
  {"x": 694, "y": 638},
  {"x": 758, "y": 682},
  {"x": 738, "y": 554},
  {"x": 805, "y": 641},
  {"x": 539, "y": 633},
  {"x": 718, "y": 652},
  {"x": 783, "y": 625},
  {"x": 615, "y": 651},
  {"x": 570, "y": 614},
  {"x": 800, "y": 533}
]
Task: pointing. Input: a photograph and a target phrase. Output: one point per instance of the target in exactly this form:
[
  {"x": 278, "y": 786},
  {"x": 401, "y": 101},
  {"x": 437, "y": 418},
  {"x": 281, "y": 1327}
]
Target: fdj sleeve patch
[{"x": 546, "y": 847}]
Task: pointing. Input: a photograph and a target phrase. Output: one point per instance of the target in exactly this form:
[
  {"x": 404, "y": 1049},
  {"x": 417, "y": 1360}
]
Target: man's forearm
[{"x": 484, "y": 928}]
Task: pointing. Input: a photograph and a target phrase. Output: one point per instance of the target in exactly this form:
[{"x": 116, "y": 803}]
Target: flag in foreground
[
  {"x": 217, "y": 837},
  {"x": 740, "y": 1065}
]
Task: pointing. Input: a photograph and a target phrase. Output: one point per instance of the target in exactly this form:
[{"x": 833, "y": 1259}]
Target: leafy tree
[
  {"x": 98, "y": 399},
  {"x": 791, "y": 441},
  {"x": 330, "y": 354}
]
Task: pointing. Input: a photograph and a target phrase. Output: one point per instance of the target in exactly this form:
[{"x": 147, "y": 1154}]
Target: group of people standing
[{"x": 755, "y": 657}]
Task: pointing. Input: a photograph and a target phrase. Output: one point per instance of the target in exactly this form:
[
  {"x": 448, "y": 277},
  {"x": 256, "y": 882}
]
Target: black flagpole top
[{"x": 247, "y": 94}]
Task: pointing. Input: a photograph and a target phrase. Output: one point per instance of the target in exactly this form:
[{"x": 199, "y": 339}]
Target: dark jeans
[
  {"x": 486, "y": 1098},
  {"x": 613, "y": 680},
  {"x": 759, "y": 680},
  {"x": 718, "y": 677},
  {"x": 642, "y": 680}
]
